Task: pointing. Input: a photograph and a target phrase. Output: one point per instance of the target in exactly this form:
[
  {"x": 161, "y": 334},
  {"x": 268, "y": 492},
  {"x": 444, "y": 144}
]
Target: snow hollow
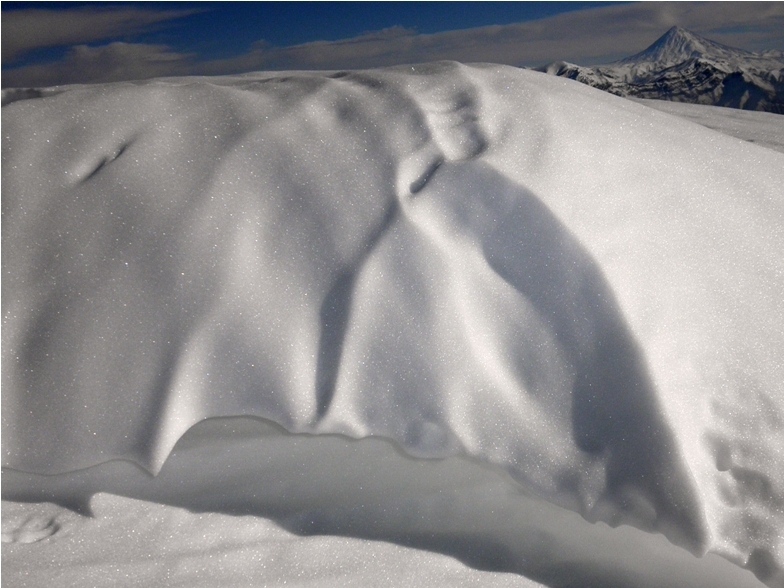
[{"x": 474, "y": 310}]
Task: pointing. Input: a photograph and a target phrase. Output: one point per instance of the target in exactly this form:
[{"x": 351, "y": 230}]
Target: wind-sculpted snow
[{"x": 466, "y": 260}]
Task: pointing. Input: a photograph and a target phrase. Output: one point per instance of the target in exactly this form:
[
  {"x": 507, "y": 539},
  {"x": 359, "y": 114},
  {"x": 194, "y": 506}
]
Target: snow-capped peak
[
  {"x": 684, "y": 67},
  {"x": 678, "y": 45}
]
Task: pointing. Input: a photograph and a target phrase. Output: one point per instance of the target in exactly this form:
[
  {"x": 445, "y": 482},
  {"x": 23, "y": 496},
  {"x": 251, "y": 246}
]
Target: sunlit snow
[{"x": 472, "y": 310}]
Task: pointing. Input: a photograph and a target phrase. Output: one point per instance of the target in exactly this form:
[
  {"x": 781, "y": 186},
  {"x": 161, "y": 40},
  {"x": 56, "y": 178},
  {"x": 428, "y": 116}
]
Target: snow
[
  {"x": 473, "y": 310},
  {"x": 763, "y": 128},
  {"x": 335, "y": 500},
  {"x": 172, "y": 547}
]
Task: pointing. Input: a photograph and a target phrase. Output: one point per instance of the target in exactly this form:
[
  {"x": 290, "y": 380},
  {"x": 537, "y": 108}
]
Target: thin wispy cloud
[
  {"x": 586, "y": 37},
  {"x": 114, "y": 62},
  {"x": 24, "y": 30}
]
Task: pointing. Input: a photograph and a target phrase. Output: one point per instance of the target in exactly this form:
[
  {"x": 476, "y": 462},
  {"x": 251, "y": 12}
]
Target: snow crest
[{"x": 469, "y": 260}]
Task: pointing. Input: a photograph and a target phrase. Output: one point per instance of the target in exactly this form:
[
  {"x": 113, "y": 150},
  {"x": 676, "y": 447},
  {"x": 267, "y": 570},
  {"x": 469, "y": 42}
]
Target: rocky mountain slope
[{"x": 684, "y": 67}]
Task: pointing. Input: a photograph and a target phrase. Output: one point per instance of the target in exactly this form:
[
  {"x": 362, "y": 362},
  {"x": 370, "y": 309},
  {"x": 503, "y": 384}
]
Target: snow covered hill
[
  {"x": 684, "y": 67},
  {"x": 469, "y": 309}
]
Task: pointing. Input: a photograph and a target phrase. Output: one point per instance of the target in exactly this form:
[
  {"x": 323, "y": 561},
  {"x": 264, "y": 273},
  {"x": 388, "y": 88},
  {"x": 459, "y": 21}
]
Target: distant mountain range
[{"x": 684, "y": 67}]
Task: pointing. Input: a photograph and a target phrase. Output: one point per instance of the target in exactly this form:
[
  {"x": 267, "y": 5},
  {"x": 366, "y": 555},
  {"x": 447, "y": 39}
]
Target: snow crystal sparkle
[{"x": 476, "y": 263}]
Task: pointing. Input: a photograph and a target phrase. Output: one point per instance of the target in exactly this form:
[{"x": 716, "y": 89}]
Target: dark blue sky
[
  {"x": 223, "y": 29},
  {"x": 47, "y": 43}
]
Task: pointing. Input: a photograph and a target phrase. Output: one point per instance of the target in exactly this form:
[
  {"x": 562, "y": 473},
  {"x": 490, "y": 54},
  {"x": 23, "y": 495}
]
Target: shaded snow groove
[
  {"x": 334, "y": 317},
  {"x": 105, "y": 161},
  {"x": 420, "y": 182},
  {"x": 454, "y": 135}
]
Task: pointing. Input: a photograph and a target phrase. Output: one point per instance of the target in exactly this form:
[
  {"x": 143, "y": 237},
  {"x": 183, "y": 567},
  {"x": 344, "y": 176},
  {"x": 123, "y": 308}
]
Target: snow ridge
[{"x": 473, "y": 261}]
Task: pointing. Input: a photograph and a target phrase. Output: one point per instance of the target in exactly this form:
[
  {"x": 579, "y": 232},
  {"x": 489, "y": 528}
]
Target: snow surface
[
  {"x": 134, "y": 543},
  {"x": 227, "y": 469},
  {"x": 763, "y": 128},
  {"x": 552, "y": 300}
]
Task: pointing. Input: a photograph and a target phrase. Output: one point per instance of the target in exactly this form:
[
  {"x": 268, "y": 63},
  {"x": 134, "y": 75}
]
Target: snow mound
[{"x": 467, "y": 260}]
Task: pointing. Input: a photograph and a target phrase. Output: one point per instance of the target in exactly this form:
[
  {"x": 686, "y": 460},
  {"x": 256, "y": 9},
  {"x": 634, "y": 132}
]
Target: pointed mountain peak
[
  {"x": 678, "y": 45},
  {"x": 675, "y": 32}
]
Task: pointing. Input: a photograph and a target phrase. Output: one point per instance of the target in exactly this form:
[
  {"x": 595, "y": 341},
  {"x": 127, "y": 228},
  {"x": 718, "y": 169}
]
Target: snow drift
[{"x": 466, "y": 260}]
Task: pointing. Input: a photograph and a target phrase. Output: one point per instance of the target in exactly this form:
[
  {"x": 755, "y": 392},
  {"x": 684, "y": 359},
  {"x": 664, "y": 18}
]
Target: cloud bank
[
  {"x": 24, "y": 30},
  {"x": 586, "y": 37}
]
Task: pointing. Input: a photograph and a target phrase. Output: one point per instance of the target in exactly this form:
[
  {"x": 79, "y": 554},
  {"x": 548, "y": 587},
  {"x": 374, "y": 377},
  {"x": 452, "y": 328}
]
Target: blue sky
[{"x": 47, "y": 43}]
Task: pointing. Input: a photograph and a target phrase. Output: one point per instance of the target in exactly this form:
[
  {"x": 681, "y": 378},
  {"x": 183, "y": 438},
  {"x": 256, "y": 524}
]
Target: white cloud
[
  {"x": 108, "y": 63},
  {"x": 32, "y": 28}
]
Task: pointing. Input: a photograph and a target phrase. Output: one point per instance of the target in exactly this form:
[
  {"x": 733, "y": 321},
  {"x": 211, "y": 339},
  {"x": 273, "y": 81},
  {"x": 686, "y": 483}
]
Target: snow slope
[
  {"x": 470, "y": 261},
  {"x": 763, "y": 128}
]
